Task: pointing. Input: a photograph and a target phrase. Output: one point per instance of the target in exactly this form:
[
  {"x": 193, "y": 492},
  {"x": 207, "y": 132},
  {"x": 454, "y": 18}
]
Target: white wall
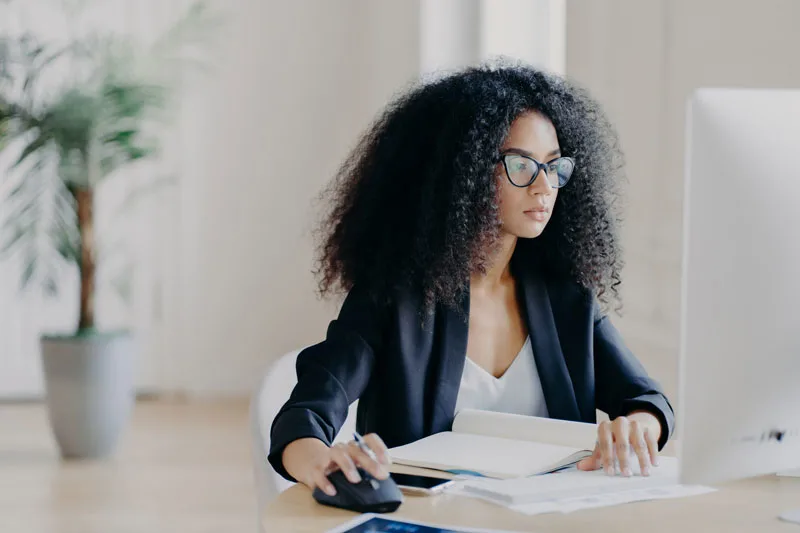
[
  {"x": 458, "y": 33},
  {"x": 530, "y": 30},
  {"x": 642, "y": 59},
  {"x": 449, "y": 34},
  {"x": 298, "y": 82}
]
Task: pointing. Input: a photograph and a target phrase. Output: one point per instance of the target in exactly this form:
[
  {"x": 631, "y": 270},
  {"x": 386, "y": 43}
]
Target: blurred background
[{"x": 218, "y": 280}]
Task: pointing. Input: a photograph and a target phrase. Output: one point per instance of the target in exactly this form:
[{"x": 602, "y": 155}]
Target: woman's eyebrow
[{"x": 526, "y": 153}]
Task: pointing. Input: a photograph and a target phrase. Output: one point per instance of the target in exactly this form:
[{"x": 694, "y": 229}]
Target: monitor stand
[{"x": 791, "y": 516}]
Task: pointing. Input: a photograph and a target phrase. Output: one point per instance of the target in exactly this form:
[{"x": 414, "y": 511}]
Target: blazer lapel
[
  {"x": 556, "y": 384},
  {"x": 453, "y": 351}
]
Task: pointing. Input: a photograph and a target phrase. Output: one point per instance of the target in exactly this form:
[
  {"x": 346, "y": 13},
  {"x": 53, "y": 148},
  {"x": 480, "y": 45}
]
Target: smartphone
[{"x": 421, "y": 484}]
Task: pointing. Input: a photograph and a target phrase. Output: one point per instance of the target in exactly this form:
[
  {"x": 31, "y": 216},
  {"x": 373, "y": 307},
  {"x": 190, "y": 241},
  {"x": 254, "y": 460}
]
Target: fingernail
[
  {"x": 646, "y": 471},
  {"x": 382, "y": 473},
  {"x": 329, "y": 490},
  {"x": 627, "y": 472},
  {"x": 609, "y": 471},
  {"x": 354, "y": 476}
]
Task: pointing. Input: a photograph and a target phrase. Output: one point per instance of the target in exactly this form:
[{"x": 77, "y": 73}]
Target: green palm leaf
[
  {"x": 39, "y": 220},
  {"x": 33, "y": 147}
]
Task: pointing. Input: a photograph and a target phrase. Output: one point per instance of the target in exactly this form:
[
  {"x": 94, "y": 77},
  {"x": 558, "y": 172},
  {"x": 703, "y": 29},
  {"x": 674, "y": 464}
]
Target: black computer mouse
[{"x": 370, "y": 495}]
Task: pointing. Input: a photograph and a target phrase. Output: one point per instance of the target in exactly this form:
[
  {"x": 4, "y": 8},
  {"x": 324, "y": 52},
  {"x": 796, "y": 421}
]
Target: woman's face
[{"x": 525, "y": 211}]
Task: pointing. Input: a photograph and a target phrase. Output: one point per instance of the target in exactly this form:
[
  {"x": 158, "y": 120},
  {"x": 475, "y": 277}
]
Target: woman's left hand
[{"x": 638, "y": 433}]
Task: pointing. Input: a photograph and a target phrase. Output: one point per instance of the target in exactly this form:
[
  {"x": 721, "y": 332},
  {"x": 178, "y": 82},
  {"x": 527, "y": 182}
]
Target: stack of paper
[
  {"x": 513, "y": 457},
  {"x": 573, "y": 490},
  {"x": 569, "y": 505}
]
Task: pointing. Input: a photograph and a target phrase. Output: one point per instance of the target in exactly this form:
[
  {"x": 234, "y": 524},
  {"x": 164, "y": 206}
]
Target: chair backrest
[{"x": 271, "y": 394}]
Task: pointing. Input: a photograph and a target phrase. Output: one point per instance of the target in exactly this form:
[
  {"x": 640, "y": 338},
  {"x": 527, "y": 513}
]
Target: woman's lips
[{"x": 539, "y": 215}]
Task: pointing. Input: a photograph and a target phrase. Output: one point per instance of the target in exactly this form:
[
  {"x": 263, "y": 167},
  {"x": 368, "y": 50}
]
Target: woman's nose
[{"x": 541, "y": 184}]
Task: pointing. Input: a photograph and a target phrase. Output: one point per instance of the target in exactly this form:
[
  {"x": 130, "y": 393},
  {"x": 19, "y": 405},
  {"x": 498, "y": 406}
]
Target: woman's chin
[{"x": 531, "y": 230}]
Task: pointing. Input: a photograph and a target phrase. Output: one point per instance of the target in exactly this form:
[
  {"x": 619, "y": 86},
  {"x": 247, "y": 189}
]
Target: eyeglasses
[{"x": 522, "y": 170}]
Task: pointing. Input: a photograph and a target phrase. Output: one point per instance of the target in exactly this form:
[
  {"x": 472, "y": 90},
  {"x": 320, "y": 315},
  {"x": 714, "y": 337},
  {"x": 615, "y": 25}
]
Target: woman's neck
[{"x": 499, "y": 271}]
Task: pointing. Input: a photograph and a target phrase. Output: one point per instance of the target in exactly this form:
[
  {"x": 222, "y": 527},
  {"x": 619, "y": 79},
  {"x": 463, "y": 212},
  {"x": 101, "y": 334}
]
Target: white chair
[{"x": 271, "y": 394}]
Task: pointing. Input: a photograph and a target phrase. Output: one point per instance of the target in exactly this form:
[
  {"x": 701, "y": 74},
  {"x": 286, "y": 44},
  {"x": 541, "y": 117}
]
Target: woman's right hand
[{"x": 309, "y": 461}]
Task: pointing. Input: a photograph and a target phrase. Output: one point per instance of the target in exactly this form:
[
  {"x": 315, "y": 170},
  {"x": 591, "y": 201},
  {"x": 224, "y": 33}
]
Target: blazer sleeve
[
  {"x": 621, "y": 382},
  {"x": 330, "y": 376}
]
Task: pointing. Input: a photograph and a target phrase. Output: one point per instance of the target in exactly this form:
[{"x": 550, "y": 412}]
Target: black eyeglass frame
[{"x": 539, "y": 168}]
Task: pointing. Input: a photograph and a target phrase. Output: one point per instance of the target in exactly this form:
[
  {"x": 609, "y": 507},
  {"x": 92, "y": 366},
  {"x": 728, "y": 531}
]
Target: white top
[{"x": 518, "y": 391}]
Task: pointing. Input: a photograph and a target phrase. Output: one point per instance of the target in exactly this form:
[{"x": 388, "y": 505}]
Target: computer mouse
[{"x": 370, "y": 495}]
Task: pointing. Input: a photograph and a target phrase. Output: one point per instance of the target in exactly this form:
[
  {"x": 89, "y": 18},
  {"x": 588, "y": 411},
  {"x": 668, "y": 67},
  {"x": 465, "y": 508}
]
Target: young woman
[{"x": 473, "y": 229}]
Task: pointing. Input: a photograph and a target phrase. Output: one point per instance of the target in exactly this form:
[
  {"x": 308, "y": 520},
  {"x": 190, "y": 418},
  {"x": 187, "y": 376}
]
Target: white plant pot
[{"x": 90, "y": 394}]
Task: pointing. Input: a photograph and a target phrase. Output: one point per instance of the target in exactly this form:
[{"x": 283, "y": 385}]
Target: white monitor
[{"x": 739, "y": 401}]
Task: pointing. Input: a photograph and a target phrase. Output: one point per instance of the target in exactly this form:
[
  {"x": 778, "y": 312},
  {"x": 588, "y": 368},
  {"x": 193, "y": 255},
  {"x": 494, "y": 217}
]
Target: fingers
[
  {"x": 640, "y": 447},
  {"x": 652, "y": 445},
  {"x": 340, "y": 455},
  {"x": 592, "y": 462},
  {"x": 320, "y": 479},
  {"x": 344, "y": 457},
  {"x": 622, "y": 447},
  {"x": 616, "y": 440},
  {"x": 362, "y": 458},
  {"x": 605, "y": 441},
  {"x": 376, "y": 445}
]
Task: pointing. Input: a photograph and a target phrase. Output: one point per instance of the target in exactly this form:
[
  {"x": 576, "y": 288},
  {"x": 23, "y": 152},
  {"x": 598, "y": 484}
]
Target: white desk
[{"x": 749, "y": 506}]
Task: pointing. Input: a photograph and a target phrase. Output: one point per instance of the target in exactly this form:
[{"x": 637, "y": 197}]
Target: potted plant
[{"x": 98, "y": 111}]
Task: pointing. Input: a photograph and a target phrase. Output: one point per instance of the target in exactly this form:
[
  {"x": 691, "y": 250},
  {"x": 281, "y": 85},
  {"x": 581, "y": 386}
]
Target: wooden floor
[{"x": 180, "y": 468}]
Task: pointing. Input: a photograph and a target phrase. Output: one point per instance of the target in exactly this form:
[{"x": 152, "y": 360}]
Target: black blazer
[{"x": 407, "y": 376}]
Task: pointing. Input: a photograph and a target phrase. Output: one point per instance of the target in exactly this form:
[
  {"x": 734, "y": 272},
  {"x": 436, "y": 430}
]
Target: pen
[{"x": 361, "y": 443}]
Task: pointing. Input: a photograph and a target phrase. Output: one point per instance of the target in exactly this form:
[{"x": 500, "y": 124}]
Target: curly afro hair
[{"x": 415, "y": 203}]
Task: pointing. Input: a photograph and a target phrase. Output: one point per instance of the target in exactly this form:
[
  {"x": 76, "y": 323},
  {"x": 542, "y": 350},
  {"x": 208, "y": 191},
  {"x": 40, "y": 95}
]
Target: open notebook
[{"x": 500, "y": 445}]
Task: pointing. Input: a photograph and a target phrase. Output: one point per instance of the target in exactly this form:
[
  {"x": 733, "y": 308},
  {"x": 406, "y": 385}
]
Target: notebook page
[
  {"x": 490, "y": 456},
  {"x": 529, "y": 428}
]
